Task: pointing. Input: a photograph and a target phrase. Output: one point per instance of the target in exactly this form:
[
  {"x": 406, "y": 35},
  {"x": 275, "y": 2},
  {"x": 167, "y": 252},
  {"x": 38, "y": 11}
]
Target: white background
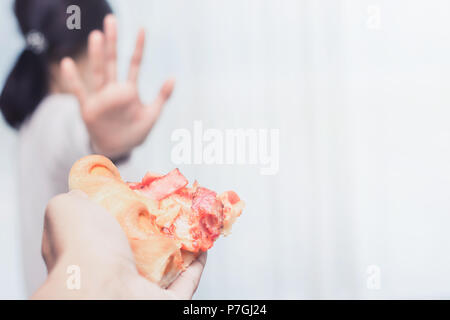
[{"x": 363, "y": 112}]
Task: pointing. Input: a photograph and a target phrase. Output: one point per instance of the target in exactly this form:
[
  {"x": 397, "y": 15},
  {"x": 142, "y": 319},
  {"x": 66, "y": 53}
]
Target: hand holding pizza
[
  {"x": 115, "y": 116},
  {"x": 79, "y": 232}
]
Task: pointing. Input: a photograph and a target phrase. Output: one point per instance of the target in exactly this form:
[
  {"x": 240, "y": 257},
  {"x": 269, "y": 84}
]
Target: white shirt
[{"x": 50, "y": 141}]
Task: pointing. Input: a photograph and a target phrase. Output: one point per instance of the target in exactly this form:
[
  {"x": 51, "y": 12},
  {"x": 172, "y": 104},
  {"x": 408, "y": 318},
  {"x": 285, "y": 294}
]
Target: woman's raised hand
[{"x": 116, "y": 118}]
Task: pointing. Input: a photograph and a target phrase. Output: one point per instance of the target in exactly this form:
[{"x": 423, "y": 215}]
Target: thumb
[
  {"x": 154, "y": 110},
  {"x": 187, "y": 282}
]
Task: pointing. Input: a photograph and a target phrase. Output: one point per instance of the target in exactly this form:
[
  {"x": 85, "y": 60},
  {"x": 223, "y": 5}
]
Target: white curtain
[{"x": 359, "y": 91}]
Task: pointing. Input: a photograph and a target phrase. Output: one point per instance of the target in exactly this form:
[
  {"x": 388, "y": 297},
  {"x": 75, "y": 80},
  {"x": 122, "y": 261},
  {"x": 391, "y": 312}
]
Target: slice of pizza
[{"x": 168, "y": 223}]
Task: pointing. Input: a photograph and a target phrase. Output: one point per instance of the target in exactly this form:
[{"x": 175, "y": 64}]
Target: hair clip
[{"x": 36, "y": 41}]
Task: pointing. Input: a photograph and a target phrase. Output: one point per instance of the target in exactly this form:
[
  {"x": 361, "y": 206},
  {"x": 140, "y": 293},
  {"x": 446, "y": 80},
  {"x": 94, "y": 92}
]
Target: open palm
[{"x": 116, "y": 118}]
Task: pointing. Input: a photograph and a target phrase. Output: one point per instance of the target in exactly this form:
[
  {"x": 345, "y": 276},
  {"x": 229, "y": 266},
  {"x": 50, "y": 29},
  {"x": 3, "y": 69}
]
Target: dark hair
[{"x": 28, "y": 82}]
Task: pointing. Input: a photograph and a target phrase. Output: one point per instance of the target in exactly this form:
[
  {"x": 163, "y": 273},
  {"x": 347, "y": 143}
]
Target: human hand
[
  {"x": 79, "y": 232},
  {"x": 116, "y": 118}
]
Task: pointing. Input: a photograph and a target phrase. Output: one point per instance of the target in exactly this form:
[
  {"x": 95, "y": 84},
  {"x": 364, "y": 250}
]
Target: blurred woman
[{"x": 64, "y": 99}]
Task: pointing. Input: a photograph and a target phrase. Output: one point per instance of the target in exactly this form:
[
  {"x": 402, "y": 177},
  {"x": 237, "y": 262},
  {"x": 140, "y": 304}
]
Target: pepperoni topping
[
  {"x": 158, "y": 188},
  {"x": 201, "y": 218},
  {"x": 149, "y": 178},
  {"x": 233, "y": 197},
  {"x": 204, "y": 201}
]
